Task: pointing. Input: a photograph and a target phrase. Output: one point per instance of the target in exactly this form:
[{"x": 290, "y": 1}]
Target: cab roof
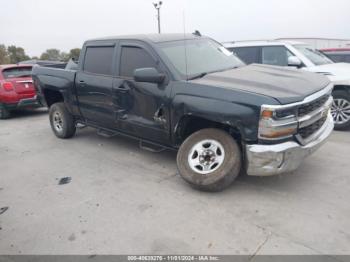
[{"x": 154, "y": 38}]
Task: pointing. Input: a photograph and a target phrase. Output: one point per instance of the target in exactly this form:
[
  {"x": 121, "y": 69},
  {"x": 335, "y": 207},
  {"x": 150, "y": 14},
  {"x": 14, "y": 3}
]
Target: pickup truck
[{"x": 190, "y": 94}]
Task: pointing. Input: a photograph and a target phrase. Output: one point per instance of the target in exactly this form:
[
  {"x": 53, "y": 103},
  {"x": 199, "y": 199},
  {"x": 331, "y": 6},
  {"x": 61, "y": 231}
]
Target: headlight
[{"x": 277, "y": 123}]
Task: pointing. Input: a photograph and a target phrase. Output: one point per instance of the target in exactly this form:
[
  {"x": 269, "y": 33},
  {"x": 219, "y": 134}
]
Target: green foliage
[
  {"x": 74, "y": 53},
  {"x": 13, "y": 54},
  {"x": 51, "y": 54},
  {"x": 56, "y": 55},
  {"x": 16, "y": 54},
  {"x": 4, "y": 56}
]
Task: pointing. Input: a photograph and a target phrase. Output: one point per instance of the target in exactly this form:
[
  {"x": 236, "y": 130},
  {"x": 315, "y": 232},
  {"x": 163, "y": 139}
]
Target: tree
[
  {"x": 16, "y": 54},
  {"x": 51, "y": 54},
  {"x": 74, "y": 53},
  {"x": 4, "y": 57}
]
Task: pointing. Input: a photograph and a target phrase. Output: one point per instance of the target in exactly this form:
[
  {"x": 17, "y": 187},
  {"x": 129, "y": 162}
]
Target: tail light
[{"x": 7, "y": 86}]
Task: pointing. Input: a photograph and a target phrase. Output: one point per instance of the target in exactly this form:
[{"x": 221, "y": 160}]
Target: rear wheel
[
  {"x": 62, "y": 122},
  {"x": 4, "y": 113},
  {"x": 209, "y": 160},
  {"x": 341, "y": 109}
]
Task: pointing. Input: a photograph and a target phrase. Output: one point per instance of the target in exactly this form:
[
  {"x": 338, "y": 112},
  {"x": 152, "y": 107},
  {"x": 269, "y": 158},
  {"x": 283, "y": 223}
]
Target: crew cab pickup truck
[
  {"x": 16, "y": 89},
  {"x": 189, "y": 93}
]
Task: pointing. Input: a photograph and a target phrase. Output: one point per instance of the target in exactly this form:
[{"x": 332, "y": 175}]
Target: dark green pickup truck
[{"x": 188, "y": 93}]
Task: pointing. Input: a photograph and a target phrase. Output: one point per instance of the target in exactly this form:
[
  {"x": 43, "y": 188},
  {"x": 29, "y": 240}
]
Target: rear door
[
  {"x": 94, "y": 84},
  {"x": 21, "y": 79}
]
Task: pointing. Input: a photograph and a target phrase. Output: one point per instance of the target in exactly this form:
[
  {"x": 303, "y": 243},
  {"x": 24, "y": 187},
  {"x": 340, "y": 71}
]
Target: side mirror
[
  {"x": 149, "y": 75},
  {"x": 294, "y": 61}
]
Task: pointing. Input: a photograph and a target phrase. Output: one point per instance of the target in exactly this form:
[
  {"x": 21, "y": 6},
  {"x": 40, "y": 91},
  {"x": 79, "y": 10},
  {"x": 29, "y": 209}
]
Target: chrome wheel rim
[
  {"x": 340, "y": 111},
  {"x": 58, "y": 121},
  {"x": 206, "y": 156}
]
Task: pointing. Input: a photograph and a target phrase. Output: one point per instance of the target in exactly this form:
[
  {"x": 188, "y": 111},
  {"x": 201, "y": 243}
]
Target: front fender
[{"x": 241, "y": 116}]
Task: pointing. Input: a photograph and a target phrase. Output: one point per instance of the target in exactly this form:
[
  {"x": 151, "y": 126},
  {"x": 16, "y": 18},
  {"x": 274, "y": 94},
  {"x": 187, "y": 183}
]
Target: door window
[
  {"x": 275, "y": 55},
  {"x": 249, "y": 55},
  {"x": 133, "y": 58},
  {"x": 98, "y": 60}
]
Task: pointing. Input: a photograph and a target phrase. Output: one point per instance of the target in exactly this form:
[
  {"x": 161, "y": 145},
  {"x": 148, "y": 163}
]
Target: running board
[
  {"x": 80, "y": 125},
  {"x": 105, "y": 133},
  {"x": 151, "y": 147}
]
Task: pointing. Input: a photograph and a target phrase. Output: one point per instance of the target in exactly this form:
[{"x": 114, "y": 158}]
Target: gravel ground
[{"x": 124, "y": 200}]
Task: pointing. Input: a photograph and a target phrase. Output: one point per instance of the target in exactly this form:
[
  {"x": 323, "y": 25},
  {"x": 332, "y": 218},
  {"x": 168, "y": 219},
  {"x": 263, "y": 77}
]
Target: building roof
[{"x": 345, "y": 49}]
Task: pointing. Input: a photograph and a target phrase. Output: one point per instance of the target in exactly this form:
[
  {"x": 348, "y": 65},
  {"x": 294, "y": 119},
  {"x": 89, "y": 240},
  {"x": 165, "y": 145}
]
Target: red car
[{"x": 16, "y": 89}]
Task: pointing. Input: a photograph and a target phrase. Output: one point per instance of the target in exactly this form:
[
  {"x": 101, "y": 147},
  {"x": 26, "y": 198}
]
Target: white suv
[{"x": 303, "y": 56}]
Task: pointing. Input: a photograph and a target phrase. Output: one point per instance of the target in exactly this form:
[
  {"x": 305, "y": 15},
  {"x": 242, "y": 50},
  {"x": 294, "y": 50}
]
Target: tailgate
[{"x": 23, "y": 86}]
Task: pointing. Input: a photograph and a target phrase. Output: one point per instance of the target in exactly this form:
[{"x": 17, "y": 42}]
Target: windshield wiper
[{"x": 197, "y": 76}]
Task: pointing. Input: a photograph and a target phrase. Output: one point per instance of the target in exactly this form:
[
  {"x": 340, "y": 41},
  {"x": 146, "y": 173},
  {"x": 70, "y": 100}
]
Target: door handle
[
  {"x": 82, "y": 83},
  {"x": 124, "y": 87}
]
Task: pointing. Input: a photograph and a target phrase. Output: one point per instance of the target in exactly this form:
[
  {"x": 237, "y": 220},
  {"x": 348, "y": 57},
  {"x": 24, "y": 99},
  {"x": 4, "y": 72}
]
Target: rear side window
[
  {"x": 17, "y": 72},
  {"x": 338, "y": 58},
  {"x": 275, "y": 55},
  {"x": 133, "y": 58},
  {"x": 98, "y": 60},
  {"x": 249, "y": 55}
]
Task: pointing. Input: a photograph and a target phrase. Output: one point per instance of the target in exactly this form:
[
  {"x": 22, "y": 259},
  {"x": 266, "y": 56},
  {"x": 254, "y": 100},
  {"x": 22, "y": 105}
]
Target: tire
[
  {"x": 199, "y": 148},
  {"x": 341, "y": 109},
  {"x": 4, "y": 113},
  {"x": 62, "y": 122}
]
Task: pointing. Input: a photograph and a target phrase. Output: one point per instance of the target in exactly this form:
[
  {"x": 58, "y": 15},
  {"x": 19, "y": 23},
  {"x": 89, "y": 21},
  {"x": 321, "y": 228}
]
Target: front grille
[
  {"x": 307, "y": 131},
  {"x": 312, "y": 106}
]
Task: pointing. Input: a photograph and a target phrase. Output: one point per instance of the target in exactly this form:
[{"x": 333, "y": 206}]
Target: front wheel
[
  {"x": 62, "y": 122},
  {"x": 209, "y": 160},
  {"x": 341, "y": 109}
]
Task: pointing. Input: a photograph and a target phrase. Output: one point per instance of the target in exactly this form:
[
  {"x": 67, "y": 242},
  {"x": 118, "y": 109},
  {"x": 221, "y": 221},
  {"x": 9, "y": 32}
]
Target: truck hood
[
  {"x": 335, "y": 72},
  {"x": 285, "y": 85}
]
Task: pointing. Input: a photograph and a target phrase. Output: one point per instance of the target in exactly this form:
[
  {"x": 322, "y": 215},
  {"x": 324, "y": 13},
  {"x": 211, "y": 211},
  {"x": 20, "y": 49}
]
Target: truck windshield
[
  {"x": 192, "y": 58},
  {"x": 316, "y": 57}
]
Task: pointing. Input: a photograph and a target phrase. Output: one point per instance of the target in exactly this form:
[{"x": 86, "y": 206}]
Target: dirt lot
[{"x": 124, "y": 200}]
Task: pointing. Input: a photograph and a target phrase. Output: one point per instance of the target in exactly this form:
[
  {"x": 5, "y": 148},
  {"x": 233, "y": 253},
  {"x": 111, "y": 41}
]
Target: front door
[{"x": 142, "y": 108}]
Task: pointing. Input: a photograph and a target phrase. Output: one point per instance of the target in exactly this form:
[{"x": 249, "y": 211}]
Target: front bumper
[
  {"x": 27, "y": 102},
  {"x": 268, "y": 160}
]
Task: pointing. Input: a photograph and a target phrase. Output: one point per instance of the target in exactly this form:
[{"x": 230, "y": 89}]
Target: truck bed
[{"x": 50, "y": 79}]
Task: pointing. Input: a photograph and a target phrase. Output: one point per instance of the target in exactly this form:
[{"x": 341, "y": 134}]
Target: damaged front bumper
[{"x": 268, "y": 160}]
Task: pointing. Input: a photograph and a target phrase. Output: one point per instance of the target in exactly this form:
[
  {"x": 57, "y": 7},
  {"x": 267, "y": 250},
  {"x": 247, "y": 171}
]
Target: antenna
[{"x": 185, "y": 46}]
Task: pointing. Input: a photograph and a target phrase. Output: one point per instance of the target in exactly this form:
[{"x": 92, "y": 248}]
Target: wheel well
[
  {"x": 190, "y": 124},
  {"x": 342, "y": 87},
  {"x": 52, "y": 97}
]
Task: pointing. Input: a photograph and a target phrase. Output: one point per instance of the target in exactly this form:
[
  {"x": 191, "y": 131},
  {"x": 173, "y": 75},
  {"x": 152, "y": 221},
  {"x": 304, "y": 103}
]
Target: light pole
[{"x": 157, "y": 6}]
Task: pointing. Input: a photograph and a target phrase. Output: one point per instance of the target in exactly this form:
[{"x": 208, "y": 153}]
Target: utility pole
[{"x": 157, "y": 6}]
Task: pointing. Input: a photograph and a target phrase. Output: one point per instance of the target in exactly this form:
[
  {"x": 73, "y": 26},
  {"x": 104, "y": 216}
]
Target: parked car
[
  {"x": 337, "y": 55},
  {"x": 190, "y": 94},
  {"x": 299, "y": 55},
  {"x": 16, "y": 89}
]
